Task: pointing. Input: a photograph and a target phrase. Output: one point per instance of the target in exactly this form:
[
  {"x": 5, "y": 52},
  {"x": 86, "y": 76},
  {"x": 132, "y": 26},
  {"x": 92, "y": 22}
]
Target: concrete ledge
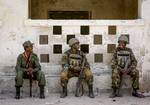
[
  {"x": 48, "y": 23},
  {"x": 102, "y": 81}
]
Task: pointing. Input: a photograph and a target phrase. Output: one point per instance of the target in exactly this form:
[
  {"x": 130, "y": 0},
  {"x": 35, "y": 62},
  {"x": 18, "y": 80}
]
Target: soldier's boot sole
[
  {"x": 112, "y": 95},
  {"x": 91, "y": 95},
  {"x": 63, "y": 95},
  {"x": 17, "y": 97},
  {"x": 118, "y": 93}
]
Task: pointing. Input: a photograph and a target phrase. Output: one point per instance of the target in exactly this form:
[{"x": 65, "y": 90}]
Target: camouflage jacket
[
  {"x": 115, "y": 62},
  {"x": 22, "y": 62},
  {"x": 67, "y": 56}
]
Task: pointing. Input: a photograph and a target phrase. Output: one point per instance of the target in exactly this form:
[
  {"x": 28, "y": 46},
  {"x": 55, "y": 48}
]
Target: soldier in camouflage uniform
[
  {"x": 28, "y": 64},
  {"x": 124, "y": 63},
  {"x": 71, "y": 64}
]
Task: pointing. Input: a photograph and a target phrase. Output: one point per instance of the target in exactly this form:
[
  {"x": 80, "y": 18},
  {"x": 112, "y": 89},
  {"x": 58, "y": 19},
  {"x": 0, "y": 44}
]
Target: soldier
[
  {"x": 124, "y": 63},
  {"x": 28, "y": 64},
  {"x": 71, "y": 66}
]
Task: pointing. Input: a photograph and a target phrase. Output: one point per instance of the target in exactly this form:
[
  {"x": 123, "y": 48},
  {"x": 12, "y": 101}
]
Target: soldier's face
[
  {"x": 76, "y": 46},
  {"x": 29, "y": 49},
  {"x": 122, "y": 44}
]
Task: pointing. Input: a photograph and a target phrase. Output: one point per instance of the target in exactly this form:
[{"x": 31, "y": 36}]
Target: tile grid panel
[{"x": 96, "y": 44}]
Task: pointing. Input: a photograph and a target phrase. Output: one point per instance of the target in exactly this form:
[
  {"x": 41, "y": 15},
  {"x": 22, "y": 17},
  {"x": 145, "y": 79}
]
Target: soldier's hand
[
  {"x": 123, "y": 71},
  {"x": 77, "y": 68},
  {"x": 127, "y": 71},
  {"x": 29, "y": 71},
  {"x": 71, "y": 67}
]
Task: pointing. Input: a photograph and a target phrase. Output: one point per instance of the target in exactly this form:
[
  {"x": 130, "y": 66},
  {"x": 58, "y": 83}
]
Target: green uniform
[
  {"x": 21, "y": 70},
  {"x": 70, "y": 63},
  {"x": 119, "y": 60}
]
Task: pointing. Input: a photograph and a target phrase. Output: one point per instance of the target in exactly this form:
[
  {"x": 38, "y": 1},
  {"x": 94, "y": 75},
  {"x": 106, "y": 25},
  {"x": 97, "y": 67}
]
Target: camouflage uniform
[
  {"x": 124, "y": 62},
  {"x": 118, "y": 62},
  {"x": 73, "y": 60},
  {"x": 71, "y": 64}
]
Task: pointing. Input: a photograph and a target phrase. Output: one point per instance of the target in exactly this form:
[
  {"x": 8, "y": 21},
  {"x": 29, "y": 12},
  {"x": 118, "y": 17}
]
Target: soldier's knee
[
  {"x": 135, "y": 73},
  {"x": 89, "y": 76},
  {"x": 41, "y": 73},
  {"x": 63, "y": 76},
  {"x": 19, "y": 76}
]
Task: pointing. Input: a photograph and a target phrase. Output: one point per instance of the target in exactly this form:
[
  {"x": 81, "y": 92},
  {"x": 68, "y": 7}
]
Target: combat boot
[
  {"x": 136, "y": 94},
  {"x": 64, "y": 92},
  {"x": 118, "y": 93},
  {"x": 91, "y": 94},
  {"x": 42, "y": 96},
  {"x": 113, "y": 94},
  {"x": 17, "y": 92}
]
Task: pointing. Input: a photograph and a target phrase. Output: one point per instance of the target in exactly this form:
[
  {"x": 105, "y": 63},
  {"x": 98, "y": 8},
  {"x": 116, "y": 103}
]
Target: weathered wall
[
  {"x": 15, "y": 29},
  {"x": 145, "y": 13}
]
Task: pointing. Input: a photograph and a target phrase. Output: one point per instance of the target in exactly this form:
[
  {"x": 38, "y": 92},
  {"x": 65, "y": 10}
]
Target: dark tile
[
  {"x": 57, "y": 30},
  {"x": 84, "y": 48},
  {"x": 111, "y": 48},
  {"x": 112, "y": 30},
  {"x": 43, "y": 39},
  {"x": 98, "y": 39},
  {"x": 98, "y": 58},
  {"x": 57, "y": 49},
  {"x": 84, "y": 30},
  {"x": 44, "y": 58}
]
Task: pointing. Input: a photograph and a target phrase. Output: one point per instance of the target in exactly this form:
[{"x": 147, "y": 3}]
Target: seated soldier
[
  {"x": 124, "y": 63},
  {"x": 28, "y": 65},
  {"x": 71, "y": 64}
]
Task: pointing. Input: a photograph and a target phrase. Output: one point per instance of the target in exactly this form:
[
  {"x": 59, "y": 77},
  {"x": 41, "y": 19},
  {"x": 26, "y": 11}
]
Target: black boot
[
  {"x": 91, "y": 94},
  {"x": 17, "y": 92},
  {"x": 118, "y": 93},
  {"x": 136, "y": 94},
  {"x": 42, "y": 96},
  {"x": 64, "y": 92},
  {"x": 113, "y": 94}
]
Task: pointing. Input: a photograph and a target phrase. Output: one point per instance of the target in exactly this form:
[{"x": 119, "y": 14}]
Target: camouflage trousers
[
  {"x": 39, "y": 76},
  {"x": 67, "y": 74},
  {"x": 117, "y": 77}
]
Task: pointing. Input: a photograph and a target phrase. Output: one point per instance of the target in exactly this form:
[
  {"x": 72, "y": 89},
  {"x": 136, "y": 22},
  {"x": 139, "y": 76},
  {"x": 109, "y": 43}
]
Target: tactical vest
[
  {"x": 123, "y": 57},
  {"x": 75, "y": 60}
]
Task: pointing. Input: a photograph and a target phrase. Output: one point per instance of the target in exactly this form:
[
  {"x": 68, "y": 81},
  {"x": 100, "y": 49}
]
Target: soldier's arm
[
  {"x": 37, "y": 64},
  {"x": 64, "y": 61},
  {"x": 18, "y": 65},
  {"x": 114, "y": 63},
  {"x": 133, "y": 61}
]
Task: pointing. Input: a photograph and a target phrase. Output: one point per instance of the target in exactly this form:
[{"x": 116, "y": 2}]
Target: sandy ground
[{"x": 53, "y": 99}]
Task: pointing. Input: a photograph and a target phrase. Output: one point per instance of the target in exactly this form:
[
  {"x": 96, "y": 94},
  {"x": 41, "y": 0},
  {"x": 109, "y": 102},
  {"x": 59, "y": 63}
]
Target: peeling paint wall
[{"x": 15, "y": 28}]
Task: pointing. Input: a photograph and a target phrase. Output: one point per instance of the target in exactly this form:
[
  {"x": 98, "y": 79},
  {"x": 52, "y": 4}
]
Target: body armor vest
[
  {"x": 123, "y": 57},
  {"x": 75, "y": 60}
]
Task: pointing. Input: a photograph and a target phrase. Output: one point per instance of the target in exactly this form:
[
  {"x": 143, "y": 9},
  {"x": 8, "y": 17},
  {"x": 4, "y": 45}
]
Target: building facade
[{"x": 98, "y": 36}]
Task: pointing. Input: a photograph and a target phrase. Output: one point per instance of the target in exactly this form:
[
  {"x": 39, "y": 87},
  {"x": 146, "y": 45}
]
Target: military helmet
[
  {"x": 27, "y": 44},
  {"x": 123, "y": 38},
  {"x": 72, "y": 41}
]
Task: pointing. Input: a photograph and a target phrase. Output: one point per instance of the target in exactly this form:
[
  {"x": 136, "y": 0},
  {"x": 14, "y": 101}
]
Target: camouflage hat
[
  {"x": 73, "y": 41},
  {"x": 123, "y": 38},
  {"x": 27, "y": 44}
]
